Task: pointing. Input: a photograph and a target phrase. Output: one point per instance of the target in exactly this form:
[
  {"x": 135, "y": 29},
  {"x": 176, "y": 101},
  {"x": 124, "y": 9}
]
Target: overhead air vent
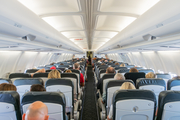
[
  {"x": 9, "y": 47},
  {"x": 170, "y": 46},
  {"x": 149, "y": 37},
  {"x": 29, "y": 37}
]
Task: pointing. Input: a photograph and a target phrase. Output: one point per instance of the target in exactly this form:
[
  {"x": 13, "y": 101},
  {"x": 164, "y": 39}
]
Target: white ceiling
[{"x": 101, "y": 25}]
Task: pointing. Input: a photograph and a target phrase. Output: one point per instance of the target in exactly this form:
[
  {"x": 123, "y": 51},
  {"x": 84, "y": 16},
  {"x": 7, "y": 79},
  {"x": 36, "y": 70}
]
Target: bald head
[
  {"x": 110, "y": 70},
  {"x": 36, "y": 111}
]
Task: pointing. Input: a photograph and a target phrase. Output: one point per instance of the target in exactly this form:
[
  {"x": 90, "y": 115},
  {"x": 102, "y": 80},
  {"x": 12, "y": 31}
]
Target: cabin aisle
[{"x": 89, "y": 108}]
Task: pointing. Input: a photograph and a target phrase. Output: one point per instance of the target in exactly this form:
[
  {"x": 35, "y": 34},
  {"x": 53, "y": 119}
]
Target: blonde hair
[
  {"x": 54, "y": 74},
  {"x": 150, "y": 75},
  {"x": 7, "y": 87},
  {"x": 68, "y": 71},
  {"x": 122, "y": 65},
  {"x": 133, "y": 70},
  {"x": 119, "y": 76},
  {"x": 127, "y": 85}
]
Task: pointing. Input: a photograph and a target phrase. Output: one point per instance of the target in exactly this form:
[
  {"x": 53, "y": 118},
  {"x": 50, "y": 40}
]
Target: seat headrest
[
  {"x": 165, "y": 97},
  {"x": 163, "y": 76},
  {"x": 51, "y": 97},
  {"x": 2, "y": 80},
  {"x": 108, "y": 75},
  {"x": 102, "y": 71},
  {"x": 40, "y": 75},
  {"x": 134, "y": 76},
  {"x": 123, "y": 71},
  {"x": 72, "y": 75},
  {"x": 150, "y": 81},
  {"x": 114, "y": 83},
  {"x": 31, "y": 70},
  {"x": 28, "y": 81},
  {"x": 172, "y": 83},
  {"x": 58, "y": 81},
  {"x": 146, "y": 70},
  {"x": 46, "y": 68},
  {"x": 134, "y": 94},
  {"x": 75, "y": 71},
  {"x": 15, "y": 75}
]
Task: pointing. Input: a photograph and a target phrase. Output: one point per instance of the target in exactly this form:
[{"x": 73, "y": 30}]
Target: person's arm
[{"x": 39, "y": 71}]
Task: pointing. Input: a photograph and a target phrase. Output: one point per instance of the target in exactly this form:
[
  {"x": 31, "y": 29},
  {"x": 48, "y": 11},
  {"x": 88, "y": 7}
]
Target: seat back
[
  {"x": 50, "y": 66},
  {"x": 14, "y": 76},
  {"x": 105, "y": 79},
  {"x": 9, "y": 104},
  {"x": 134, "y": 105},
  {"x": 73, "y": 77},
  {"x": 111, "y": 87},
  {"x": 102, "y": 72},
  {"x": 77, "y": 72},
  {"x": 123, "y": 71},
  {"x": 51, "y": 70},
  {"x": 31, "y": 70},
  {"x": 43, "y": 76},
  {"x": 164, "y": 76},
  {"x": 139, "y": 68},
  {"x": 169, "y": 105},
  {"x": 173, "y": 84},
  {"x": 134, "y": 76},
  {"x": 146, "y": 70},
  {"x": 66, "y": 87},
  {"x": 130, "y": 66},
  {"x": 41, "y": 67},
  {"x": 2, "y": 80},
  {"x": 55, "y": 101},
  {"x": 153, "y": 84},
  {"x": 24, "y": 85}
]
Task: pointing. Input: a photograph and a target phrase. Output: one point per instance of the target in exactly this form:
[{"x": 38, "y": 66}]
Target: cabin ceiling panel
[
  {"x": 104, "y": 34},
  {"x": 40, "y": 7},
  {"x": 74, "y": 34},
  {"x": 127, "y": 6},
  {"x": 112, "y": 22},
  {"x": 100, "y": 39},
  {"x": 65, "y": 23}
]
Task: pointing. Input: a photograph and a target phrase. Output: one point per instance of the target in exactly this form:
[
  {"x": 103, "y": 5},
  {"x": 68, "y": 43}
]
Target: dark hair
[
  {"x": 61, "y": 64},
  {"x": 103, "y": 64},
  {"x": 37, "y": 87},
  {"x": 7, "y": 87}
]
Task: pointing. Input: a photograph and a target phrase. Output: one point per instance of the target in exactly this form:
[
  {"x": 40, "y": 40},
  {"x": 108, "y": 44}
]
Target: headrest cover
[
  {"x": 49, "y": 97},
  {"x": 60, "y": 81},
  {"x": 31, "y": 70},
  {"x": 15, "y": 75},
  {"x": 71, "y": 75},
  {"x": 163, "y": 76},
  {"x": 2, "y": 80},
  {"x": 150, "y": 81},
  {"x": 172, "y": 83},
  {"x": 28, "y": 81},
  {"x": 108, "y": 75},
  {"x": 40, "y": 75},
  {"x": 123, "y": 71},
  {"x": 165, "y": 97},
  {"x": 146, "y": 70}
]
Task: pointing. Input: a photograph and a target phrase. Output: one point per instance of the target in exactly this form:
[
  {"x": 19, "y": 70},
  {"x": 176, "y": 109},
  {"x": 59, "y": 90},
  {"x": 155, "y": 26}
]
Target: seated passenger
[
  {"x": 39, "y": 71},
  {"x": 61, "y": 64},
  {"x": 7, "y": 87},
  {"x": 103, "y": 64},
  {"x": 36, "y": 111},
  {"x": 76, "y": 66},
  {"x": 133, "y": 70},
  {"x": 54, "y": 74},
  {"x": 125, "y": 86},
  {"x": 52, "y": 63},
  {"x": 53, "y": 68},
  {"x": 116, "y": 63},
  {"x": 150, "y": 75},
  {"x": 68, "y": 71},
  {"x": 108, "y": 70},
  {"x": 122, "y": 65},
  {"x": 37, "y": 87},
  {"x": 176, "y": 77},
  {"x": 118, "y": 76}
]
